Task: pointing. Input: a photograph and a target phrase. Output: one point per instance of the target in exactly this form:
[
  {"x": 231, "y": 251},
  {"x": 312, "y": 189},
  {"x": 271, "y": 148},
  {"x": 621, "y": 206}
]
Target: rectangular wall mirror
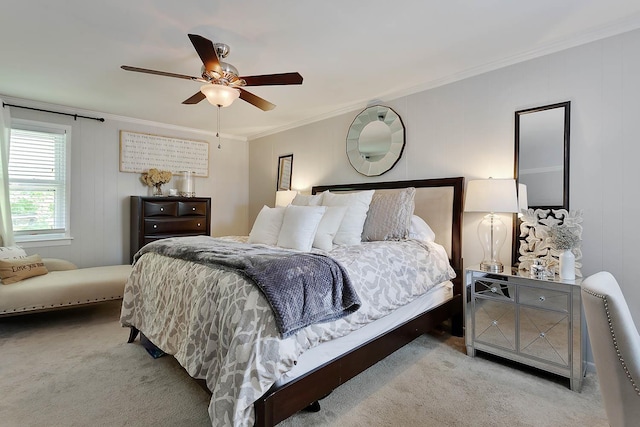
[
  {"x": 542, "y": 154},
  {"x": 542, "y": 158}
]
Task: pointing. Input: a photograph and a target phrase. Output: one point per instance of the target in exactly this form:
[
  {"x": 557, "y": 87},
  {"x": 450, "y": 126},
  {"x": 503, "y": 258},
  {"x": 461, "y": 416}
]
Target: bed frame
[{"x": 282, "y": 402}]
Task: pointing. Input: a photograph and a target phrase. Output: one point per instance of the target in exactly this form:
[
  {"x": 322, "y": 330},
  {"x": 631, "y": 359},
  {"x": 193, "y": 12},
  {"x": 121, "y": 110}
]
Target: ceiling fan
[{"x": 222, "y": 83}]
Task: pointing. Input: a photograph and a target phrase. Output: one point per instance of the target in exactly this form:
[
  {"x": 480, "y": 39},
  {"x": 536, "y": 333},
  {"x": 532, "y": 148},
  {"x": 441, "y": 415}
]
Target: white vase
[{"x": 567, "y": 265}]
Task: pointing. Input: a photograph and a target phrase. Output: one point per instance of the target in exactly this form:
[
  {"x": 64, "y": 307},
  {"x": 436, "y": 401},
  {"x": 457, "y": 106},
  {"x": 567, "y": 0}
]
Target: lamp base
[{"x": 492, "y": 266}]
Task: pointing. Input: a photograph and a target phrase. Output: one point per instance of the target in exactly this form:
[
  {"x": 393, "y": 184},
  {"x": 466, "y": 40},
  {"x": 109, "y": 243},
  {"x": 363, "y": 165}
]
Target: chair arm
[{"x": 55, "y": 264}]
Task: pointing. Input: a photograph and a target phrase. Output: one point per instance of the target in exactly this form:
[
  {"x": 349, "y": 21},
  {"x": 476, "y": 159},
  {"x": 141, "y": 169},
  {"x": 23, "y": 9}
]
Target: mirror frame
[
  {"x": 565, "y": 184},
  {"x": 368, "y": 115}
]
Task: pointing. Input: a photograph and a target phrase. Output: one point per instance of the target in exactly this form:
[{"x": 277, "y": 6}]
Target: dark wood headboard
[{"x": 445, "y": 220}]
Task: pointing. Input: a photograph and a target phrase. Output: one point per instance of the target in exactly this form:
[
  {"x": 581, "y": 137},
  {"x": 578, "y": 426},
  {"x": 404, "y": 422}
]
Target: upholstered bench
[{"x": 63, "y": 286}]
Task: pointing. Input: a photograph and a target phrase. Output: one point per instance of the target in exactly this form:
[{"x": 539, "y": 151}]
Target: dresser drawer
[
  {"x": 174, "y": 226},
  {"x": 192, "y": 208},
  {"x": 543, "y": 298},
  {"x": 160, "y": 209}
]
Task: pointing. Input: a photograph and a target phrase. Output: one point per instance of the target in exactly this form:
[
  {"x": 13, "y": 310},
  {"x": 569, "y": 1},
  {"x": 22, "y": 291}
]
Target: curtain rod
[{"x": 75, "y": 116}]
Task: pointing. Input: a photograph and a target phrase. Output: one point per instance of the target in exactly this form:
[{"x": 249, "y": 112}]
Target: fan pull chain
[{"x": 218, "y": 132}]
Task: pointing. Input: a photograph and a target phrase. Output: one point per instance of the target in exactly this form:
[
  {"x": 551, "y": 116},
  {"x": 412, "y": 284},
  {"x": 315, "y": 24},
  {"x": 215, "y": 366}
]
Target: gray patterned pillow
[{"x": 389, "y": 216}]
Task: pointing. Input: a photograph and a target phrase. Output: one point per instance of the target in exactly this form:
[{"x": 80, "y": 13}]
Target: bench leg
[{"x": 133, "y": 334}]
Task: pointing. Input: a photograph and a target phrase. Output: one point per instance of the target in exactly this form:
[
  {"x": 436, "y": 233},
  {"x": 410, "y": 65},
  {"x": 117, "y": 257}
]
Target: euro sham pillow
[
  {"x": 266, "y": 228},
  {"x": 389, "y": 216},
  {"x": 350, "y": 230},
  {"x": 420, "y": 230},
  {"x": 299, "y": 227},
  {"x": 328, "y": 227},
  {"x": 307, "y": 200},
  {"x": 15, "y": 270}
]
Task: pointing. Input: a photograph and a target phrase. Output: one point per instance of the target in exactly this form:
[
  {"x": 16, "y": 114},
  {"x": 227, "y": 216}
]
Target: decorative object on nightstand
[
  {"x": 493, "y": 196},
  {"x": 536, "y": 322},
  {"x": 536, "y": 239},
  {"x": 563, "y": 239}
]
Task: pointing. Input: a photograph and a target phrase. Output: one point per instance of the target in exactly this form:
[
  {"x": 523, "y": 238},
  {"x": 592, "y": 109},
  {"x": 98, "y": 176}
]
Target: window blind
[{"x": 37, "y": 181}]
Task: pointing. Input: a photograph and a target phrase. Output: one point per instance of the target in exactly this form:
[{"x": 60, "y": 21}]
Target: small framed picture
[{"x": 285, "y": 167}]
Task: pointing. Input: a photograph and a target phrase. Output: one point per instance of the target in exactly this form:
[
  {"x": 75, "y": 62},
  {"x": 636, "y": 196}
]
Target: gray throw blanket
[{"x": 302, "y": 288}]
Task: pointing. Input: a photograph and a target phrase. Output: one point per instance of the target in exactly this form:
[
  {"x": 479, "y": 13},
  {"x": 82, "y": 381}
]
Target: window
[{"x": 38, "y": 184}]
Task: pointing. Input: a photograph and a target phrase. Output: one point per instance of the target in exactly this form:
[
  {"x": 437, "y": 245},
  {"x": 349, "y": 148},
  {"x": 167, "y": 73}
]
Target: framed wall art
[
  {"x": 285, "y": 169},
  {"x": 141, "y": 151}
]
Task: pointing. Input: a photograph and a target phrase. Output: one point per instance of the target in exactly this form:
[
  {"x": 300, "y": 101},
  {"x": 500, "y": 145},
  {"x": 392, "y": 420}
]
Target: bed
[{"x": 272, "y": 378}]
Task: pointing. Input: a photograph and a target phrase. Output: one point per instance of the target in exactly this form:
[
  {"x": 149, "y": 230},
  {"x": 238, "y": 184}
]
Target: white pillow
[
  {"x": 328, "y": 227},
  {"x": 307, "y": 200},
  {"x": 12, "y": 252},
  {"x": 299, "y": 226},
  {"x": 420, "y": 230},
  {"x": 267, "y": 226},
  {"x": 350, "y": 231}
]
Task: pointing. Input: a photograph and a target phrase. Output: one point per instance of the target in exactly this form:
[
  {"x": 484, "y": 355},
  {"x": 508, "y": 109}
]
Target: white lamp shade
[
  {"x": 285, "y": 197},
  {"x": 491, "y": 195},
  {"x": 218, "y": 94},
  {"x": 523, "y": 204}
]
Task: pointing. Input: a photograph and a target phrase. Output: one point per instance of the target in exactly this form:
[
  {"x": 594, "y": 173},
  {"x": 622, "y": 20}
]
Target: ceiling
[{"x": 350, "y": 53}]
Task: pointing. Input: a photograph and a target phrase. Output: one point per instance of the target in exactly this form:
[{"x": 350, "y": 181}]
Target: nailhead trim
[{"x": 615, "y": 340}]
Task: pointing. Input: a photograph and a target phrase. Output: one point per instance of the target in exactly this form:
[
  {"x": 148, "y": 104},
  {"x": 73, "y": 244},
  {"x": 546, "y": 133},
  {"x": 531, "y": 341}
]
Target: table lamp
[
  {"x": 285, "y": 197},
  {"x": 492, "y": 196}
]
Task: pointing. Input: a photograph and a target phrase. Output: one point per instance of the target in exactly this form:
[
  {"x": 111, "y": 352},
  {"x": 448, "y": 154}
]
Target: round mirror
[{"x": 375, "y": 140}]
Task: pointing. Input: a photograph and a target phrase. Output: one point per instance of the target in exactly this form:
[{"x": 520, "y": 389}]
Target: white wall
[
  {"x": 466, "y": 129},
  {"x": 100, "y": 192}
]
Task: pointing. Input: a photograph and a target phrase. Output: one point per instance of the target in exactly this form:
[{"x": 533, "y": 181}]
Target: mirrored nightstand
[{"x": 537, "y": 322}]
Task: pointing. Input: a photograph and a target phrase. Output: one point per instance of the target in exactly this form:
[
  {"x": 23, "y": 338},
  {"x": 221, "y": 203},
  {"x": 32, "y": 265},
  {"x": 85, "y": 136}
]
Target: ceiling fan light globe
[{"x": 219, "y": 94}]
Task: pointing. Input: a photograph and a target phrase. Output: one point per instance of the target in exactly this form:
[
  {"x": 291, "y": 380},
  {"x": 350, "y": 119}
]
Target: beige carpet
[{"x": 74, "y": 368}]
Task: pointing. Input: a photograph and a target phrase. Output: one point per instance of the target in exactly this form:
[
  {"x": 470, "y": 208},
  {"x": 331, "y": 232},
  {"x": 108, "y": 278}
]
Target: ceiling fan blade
[
  {"x": 159, "y": 73},
  {"x": 274, "y": 79},
  {"x": 262, "y": 104},
  {"x": 197, "y": 97},
  {"x": 206, "y": 52}
]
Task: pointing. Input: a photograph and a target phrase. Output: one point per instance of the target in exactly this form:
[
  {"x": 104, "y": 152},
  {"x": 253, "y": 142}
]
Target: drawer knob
[
  {"x": 541, "y": 298},
  {"x": 155, "y": 225},
  {"x": 161, "y": 209},
  {"x": 193, "y": 209},
  {"x": 198, "y": 224},
  {"x": 494, "y": 289},
  {"x": 494, "y": 323}
]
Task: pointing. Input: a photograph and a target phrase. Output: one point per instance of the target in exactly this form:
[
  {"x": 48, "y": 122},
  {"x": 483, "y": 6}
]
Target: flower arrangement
[
  {"x": 155, "y": 177},
  {"x": 562, "y": 238}
]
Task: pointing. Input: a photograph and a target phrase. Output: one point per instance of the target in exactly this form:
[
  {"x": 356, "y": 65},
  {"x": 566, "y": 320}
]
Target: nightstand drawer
[
  {"x": 160, "y": 209},
  {"x": 498, "y": 289},
  {"x": 192, "y": 208},
  {"x": 158, "y": 226},
  {"x": 543, "y": 298}
]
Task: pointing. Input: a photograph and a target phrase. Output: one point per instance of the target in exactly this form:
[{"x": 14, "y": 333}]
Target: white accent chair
[{"x": 616, "y": 348}]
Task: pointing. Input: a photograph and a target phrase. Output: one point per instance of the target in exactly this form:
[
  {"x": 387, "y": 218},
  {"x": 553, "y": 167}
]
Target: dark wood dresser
[{"x": 154, "y": 218}]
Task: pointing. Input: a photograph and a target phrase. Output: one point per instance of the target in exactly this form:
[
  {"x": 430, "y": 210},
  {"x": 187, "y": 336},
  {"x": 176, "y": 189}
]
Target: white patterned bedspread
[{"x": 220, "y": 328}]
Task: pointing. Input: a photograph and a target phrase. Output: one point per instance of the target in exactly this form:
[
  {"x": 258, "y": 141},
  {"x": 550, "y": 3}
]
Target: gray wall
[
  {"x": 100, "y": 192},
  {"x": 466, "y": 129}
]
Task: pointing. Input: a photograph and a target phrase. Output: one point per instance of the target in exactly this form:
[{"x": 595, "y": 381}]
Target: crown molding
[
  {"x": 599, "y": 33},
  {"x": 107, "y": 116}
]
